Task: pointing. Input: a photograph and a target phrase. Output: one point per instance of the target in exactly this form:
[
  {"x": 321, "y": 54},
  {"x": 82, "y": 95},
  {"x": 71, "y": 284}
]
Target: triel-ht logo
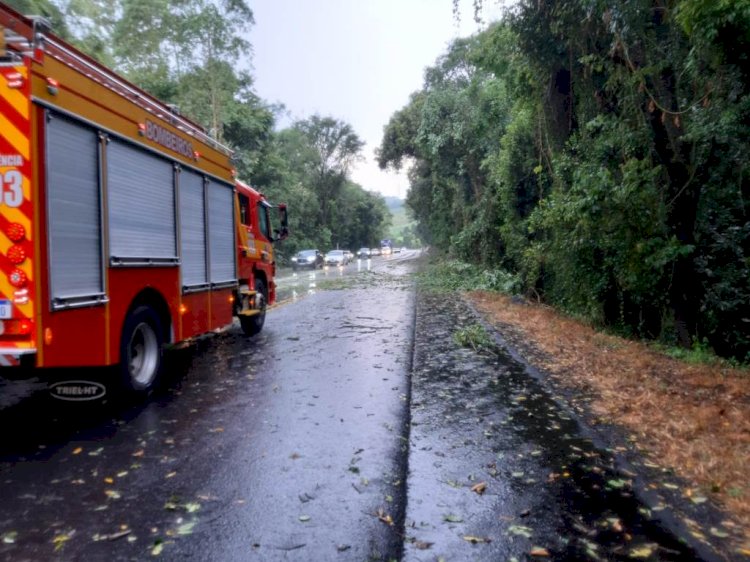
[{"x": 77, "y": 391}]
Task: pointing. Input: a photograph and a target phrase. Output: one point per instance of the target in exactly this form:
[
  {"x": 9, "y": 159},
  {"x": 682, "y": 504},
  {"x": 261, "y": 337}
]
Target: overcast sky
[{"x": 355, "y": 60}]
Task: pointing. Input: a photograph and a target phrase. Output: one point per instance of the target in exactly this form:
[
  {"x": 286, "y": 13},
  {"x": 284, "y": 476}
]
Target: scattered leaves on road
[
  {"x": 642, "y": 551},
  {"x": 61, "y": 538},
  {"x": 112, "y": 536},
  {"x": 479, "y": 488},
  {"x": 520, "y": 530},
  {"x": 718, "y": 533},
  {"x": 450, "y": 518},
  {"x": 539, "y": 551},
  {"x": 10, "y": 537},
  {"x": 476, "y": 540},
  {"x": 173, "y": 504},
  {"x": 384, "y": 517},
  {"x": 186, "y": 528}
]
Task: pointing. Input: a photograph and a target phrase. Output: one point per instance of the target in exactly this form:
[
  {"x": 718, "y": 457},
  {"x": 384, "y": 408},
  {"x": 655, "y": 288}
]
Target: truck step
[{"x": 251, "y": 312}]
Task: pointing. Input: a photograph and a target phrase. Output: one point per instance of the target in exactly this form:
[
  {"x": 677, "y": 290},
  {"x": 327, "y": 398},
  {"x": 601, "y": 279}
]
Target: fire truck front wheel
[
  {"x": 141, "y": 350},
  {"x": 252, "y": 325}
]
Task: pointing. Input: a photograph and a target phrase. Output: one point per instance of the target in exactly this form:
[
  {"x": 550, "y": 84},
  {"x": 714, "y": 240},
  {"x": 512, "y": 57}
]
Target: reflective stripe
[
  {"x": 16, "y": 204},
  {"x": 9, "y": 360}
]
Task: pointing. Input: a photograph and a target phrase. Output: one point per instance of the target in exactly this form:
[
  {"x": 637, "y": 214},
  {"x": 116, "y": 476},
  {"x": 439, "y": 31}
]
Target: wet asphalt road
[
  {"x": 354, "y": 427},
  {"x": 289, "y": 445}
]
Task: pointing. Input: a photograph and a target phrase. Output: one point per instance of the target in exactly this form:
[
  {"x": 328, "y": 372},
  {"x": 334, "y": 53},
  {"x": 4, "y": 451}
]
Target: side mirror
[{"x": 283, "y": 232}]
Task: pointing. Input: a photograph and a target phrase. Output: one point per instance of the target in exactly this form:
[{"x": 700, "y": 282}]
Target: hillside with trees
[{"x": 597, "y": 153}]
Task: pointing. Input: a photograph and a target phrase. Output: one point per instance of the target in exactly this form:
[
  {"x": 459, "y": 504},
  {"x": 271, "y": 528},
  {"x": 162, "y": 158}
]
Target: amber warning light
[{"x": 52, "y": 86}]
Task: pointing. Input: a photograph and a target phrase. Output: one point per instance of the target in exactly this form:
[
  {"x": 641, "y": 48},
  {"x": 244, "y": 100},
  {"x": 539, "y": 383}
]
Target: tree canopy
[
  {"x": 195, "y": 55},
  {"x": 598, "y": 152}
]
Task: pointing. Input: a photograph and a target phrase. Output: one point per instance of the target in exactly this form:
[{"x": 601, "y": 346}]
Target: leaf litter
[{"x": 692, "y": 417}]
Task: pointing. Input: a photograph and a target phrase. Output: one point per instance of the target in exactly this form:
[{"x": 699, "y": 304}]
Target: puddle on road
[{"x": 481, "y": 420}]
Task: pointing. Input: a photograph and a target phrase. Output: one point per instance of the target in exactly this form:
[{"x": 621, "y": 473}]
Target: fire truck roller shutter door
[
  {"x": 141, "y": 203},
  {"x": 74, "y": 213},
  {"x": 192, "y": 229},
  {"x": 221, "y": 232}
]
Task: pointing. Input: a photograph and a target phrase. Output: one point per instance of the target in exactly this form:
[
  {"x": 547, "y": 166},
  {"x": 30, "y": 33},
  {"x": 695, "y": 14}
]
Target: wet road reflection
[
  {"x": 293, "y": 285},
  {"x": 286, "y": 445}
]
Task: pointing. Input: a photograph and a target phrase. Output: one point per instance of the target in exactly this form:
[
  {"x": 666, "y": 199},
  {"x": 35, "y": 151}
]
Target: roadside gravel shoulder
[
  {"x": 501, "y": 467},
  {"x": 684, "y": 428}
]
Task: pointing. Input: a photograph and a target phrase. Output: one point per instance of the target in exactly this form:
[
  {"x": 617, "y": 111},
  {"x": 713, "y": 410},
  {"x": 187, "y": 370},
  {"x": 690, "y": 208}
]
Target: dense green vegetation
[
  {"x": 186, "y": 53},
  {"x": 597, "y": 151}
]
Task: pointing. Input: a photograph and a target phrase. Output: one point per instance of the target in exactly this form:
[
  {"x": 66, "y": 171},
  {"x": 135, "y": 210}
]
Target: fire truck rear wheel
[
  {"x": 141, "y": 350},
  {"x": 252, "y": 325}
]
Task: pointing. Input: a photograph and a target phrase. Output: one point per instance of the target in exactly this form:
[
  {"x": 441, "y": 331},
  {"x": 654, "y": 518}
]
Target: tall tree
[
  {"x": 337, "y": 147},
  {"x": 212, "y": 42}
]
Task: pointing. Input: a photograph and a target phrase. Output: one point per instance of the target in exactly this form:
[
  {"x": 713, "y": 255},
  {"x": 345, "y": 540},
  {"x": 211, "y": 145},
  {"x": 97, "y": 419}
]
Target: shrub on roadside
[{"x": 445, "y": 275}]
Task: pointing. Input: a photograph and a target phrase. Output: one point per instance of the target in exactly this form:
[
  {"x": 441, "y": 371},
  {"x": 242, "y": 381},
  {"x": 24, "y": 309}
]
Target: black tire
[
  {"x": 252, "y": 325},
  {"x": 141, "y": 350}
]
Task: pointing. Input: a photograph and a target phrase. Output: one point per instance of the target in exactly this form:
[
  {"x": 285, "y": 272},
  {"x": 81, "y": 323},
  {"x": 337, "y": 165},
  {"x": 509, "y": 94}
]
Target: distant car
[
  {"x": 375, "y": 251},
  {"x": 307, "y": 258},
  {"x": 396, "y": 250},
  {"x": 336, "y": 257},
  {"x": 349, "y": 255},
  {"x": 363, "y": 253},
  {"x": 386, "y": 250}
]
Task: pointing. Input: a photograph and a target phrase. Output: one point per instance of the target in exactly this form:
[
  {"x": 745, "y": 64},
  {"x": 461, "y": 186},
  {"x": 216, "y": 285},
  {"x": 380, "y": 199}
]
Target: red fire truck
[{"x": 122, "y": 226}]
